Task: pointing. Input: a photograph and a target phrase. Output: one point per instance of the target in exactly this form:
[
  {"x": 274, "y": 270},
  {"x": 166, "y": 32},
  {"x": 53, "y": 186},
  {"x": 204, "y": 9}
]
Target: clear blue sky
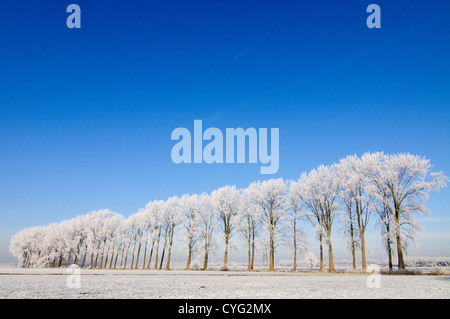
[{"x": 86, "y": 114}]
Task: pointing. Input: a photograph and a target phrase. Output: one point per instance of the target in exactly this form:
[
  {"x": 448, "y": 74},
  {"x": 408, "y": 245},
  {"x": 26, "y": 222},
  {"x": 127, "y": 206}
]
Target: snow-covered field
[{"x": 53, "y": 283}]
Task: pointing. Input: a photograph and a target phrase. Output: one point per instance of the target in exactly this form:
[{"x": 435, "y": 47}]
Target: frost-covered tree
[
  {"x": 135, "y": 233},
  {"x": 296, "y": 235},
  {"x": 403, "y": 183},
  {"x": 250, "y": 214},
  {"x": 60, "y": 244},
  {"x": 395, "y": 186},
  {"x": 23, "y": 245},
  {"x": 191, "y": 207},
  {"x": 159, "y": 213},
  {"x": 225, "y": 202},
  {"x": 165, "y": 229},
  {"x": 311, "y": 259},
  {"x": 385, "y": 223},
  {"x": 174, "y": 217},
  {"x": 80, "y": 227},
  {"x": 121, "y": 240},
  {"x": 97, "y": 222},
  {"x": 350, "y": 227},
  {"x": 110, "y": 227},
  {"x": 128, "y": 234},
  {"x": 271, "y": 197},
  {"x": 358, "y": 194},
  {"x": 319, "y": 190},
  {"x": 208, "y": 222},
  {"x": 147, "y": 228}
]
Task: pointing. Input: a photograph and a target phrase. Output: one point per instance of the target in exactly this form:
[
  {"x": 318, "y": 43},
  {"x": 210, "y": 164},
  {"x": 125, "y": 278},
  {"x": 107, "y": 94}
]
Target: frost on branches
[{"x": 392, "y": 189}]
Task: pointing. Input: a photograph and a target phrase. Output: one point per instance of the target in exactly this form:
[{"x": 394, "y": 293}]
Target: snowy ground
[{"x": 94, "y": 283}]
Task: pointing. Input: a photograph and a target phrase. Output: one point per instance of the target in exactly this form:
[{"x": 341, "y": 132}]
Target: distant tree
[{"x": 311, "y": 259}]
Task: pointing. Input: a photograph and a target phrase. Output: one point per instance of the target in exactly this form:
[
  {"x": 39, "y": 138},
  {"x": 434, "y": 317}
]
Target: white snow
[{"x": 95, "y": 283}]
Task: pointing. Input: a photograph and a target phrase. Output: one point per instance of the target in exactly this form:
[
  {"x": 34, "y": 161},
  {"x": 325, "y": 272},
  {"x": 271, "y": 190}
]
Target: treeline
[{"x": 391, "y": 189}]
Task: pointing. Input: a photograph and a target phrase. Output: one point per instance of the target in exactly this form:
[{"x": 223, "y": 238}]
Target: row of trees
[{"x": 392, "y": 188}]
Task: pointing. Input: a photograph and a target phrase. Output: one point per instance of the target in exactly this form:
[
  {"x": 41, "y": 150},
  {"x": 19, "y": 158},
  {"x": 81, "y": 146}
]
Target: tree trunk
[
  {"x": 162, "y": 257},
  {"x": 249, "y": 244},
  {"x": 151, "y": 254},
  {"x": 352, "y": 238},
  {"x": 112, "y": 257},
  {"x": 121, "y": 257},
  {"x": 389, "y": 253},
  {"x": 295, "y": 248},
  {"x": 170, "y": 248},
  {"x": 188, "y": 264},
  {"x": 401, "y": 262},
  {"x": 330, "y": 258},
  {"x": 225, "y": 257},
  {"x": 388, "y": 244},
  {"x": 60, "y": 259},
  {"x": 68, "y": 258},
  {"x": 126, "y": 256},
  {"x": 205, "y": 260},
  {"x": 363, "y": 251},
  {"x": 103, "y": 251},
  {"x": 77, "y": 252},
  {"x": 359, "y": 213},
  {"x": 91, "y": 260},
  {"x": 132, "y": 258},
  {"x": 115, "y": 259},
  {"x": 157, "y": 249},
  {"x": 96, "y": 260},
  {"x": 106, "y": 260},
  {"x": 321, "y": 253},
  {"x": 272, "y": 255},
  {"x": 253, "y": 252},
  {"x": 145, "y": 254},
  {"x": 138, "y": 252},
  {"x": 24, "y": 259}
]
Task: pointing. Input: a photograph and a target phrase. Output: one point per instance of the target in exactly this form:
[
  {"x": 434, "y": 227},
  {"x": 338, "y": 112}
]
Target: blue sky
[{"x": 86, "y": 114}]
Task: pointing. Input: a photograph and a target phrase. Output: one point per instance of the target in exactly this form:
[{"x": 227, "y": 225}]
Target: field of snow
[{"x": 94, "y": 283}]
